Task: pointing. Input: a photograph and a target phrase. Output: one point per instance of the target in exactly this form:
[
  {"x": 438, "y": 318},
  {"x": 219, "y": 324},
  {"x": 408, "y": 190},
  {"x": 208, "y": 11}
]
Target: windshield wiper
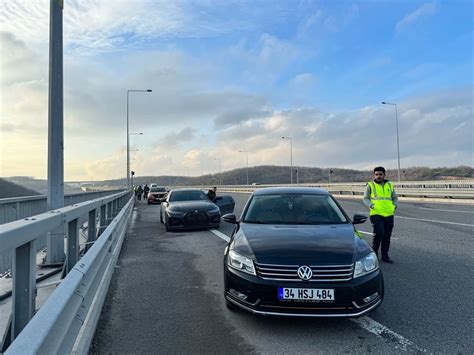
[{"x": 256, "y": 222}]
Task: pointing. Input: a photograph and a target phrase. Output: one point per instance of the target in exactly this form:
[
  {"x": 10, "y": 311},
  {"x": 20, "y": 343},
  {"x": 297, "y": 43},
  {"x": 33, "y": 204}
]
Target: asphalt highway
[{"x": 166, "y": 295}]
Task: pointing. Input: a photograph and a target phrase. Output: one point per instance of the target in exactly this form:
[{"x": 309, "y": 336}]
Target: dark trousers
[{"x": 383, "y": 227}]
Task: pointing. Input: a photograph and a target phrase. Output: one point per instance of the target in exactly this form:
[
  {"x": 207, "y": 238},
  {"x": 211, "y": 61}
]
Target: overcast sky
[{"x": 232, "y": 75}]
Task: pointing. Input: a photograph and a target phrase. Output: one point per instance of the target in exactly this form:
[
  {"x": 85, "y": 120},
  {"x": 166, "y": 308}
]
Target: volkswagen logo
[{"x": 305, "y": 273}]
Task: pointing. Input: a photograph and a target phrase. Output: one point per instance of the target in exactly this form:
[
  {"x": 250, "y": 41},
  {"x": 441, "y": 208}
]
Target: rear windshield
[
  {"x": 294, "y": 209},
  {"x": 157, "y": 189},
  {"x": 188, "y": 195}
]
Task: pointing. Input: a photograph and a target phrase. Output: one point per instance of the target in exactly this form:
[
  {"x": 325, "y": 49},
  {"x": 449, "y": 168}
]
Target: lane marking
[
  {"x": 387, "y": 334},
  {"x": 432, "y": 220},
  {"x": 220, "y": 234},
  {"x": 438, "y": 209},
  {"x": 365, "y": 322}
]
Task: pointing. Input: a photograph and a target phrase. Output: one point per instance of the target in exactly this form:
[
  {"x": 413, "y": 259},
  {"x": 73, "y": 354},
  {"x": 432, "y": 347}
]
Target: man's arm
[
  {"x": 367, "y": 201},
  {"x": 394, "y": 198}
]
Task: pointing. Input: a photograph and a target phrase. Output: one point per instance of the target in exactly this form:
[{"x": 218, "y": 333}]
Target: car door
[{"x": 225, "y": 203}]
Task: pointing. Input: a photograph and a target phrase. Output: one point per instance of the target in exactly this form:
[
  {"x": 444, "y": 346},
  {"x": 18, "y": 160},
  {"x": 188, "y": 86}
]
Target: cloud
[
  {"x": 424, "y": 11},
  {"x": 96, "y": 26},
  {"x": 362, "y": 137},
  {"x": 304, "y": 80},
  {"x": 435, "y": 130},
  {"x": 186, "y": 134}
]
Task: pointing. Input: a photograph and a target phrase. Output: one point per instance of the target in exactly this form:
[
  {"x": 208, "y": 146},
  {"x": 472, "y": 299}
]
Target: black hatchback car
[{"x": 295, "y": 252}]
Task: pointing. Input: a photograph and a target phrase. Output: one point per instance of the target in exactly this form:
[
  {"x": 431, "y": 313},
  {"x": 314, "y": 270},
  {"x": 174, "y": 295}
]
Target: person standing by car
[
  {"x": 382, "y": 200},
  {"x": 146, "y": 190},
  {"x": 212, "y": 194},
  {"x": 139, "y": 192}
]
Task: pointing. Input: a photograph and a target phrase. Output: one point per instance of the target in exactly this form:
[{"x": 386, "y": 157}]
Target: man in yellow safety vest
[{"x": 382, "y": 201}]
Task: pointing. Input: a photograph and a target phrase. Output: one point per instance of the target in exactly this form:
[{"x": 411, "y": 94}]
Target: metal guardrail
[
  {"x": 74, "y": 307},
  {"x": 450, "y": 189},
  {"x": 12, "y": 209}
]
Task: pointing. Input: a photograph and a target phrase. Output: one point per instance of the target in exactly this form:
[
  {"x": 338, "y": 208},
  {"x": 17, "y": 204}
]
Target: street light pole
[
  {"x": 55, "y": 192},
  {"x": 128, "y": 134},
  {"x": 291, "y": 157},
  {"x": 398, "y": 140},
  {"x": 247, "y": 159}
]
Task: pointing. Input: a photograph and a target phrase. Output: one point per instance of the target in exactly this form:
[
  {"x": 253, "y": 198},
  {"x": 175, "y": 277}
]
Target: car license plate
[{"x": 306, "y": 294}]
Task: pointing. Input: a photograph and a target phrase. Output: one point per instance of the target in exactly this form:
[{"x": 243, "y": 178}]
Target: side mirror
[
  {"x": 230, "y": 218},
  {"x": 359, "y": 218}
]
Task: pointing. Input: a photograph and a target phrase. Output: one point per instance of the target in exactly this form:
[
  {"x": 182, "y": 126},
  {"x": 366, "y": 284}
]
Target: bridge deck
[
  {"x": 166, "y": 293},
  {"x": 159, "y": 295}
]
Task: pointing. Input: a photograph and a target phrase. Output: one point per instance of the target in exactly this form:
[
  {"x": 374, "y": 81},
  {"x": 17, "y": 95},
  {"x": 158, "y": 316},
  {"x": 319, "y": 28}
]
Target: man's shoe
[{"x": 387, "y": 259}]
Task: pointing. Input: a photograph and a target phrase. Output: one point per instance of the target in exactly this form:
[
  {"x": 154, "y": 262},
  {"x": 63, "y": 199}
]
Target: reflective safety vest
[{"x": 381, "y": 198}]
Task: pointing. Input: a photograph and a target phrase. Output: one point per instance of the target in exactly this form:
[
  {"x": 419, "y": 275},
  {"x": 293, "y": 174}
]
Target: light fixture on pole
[
  {"x": 398, "y": 141},
  {"x": 128, "y": 134},
  {"x": 291, "y": 157},
  {"x": 247, "y": 159}
]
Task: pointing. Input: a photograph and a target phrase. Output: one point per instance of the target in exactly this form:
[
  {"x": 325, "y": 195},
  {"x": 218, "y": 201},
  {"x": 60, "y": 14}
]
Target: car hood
[
  {"x": 189, "y": 206},
  {"x": 296, "y": 245}
]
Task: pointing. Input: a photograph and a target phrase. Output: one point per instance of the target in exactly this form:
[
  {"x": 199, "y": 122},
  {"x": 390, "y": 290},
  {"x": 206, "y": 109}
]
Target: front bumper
[
  {"x": 190, "y": 221},
  {"x": 258, "y": 296},
  {"x": 155, "y": 199}
]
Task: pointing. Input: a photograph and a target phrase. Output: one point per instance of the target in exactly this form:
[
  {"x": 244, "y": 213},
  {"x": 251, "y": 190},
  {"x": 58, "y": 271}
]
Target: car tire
[
  {"x": 161, "y": 217},
  {"x": 167, "y": 224}
]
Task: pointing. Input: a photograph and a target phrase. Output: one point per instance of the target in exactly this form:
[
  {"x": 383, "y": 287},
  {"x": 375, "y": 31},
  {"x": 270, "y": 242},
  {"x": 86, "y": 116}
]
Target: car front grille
[
  {"x": 321, "y": 273},
  {"x": 196, "y": 219}
]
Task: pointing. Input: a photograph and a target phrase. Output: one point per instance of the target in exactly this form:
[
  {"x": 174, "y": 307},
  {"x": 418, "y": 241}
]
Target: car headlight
[
  {"x": 175, "y": 213},
  {"x": 214, "y": 209},
  {"x": 240, "y": 262},
  {"x": 366, "y": 265}
]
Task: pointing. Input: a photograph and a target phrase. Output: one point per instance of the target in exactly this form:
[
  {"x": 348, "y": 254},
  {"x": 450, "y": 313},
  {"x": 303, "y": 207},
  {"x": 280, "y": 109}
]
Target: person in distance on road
[
  {"x": 212, "y": 194},
  {"x": 139, "y": 192},
  {"x": 380, "y": 197},
  {"x": 146, "y": 190}
]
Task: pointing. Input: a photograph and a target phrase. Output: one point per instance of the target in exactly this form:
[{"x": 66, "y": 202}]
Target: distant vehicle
[
  {"x": 153, "y": 185},
  {"x": 295, "y": 252},
  {"x": 156, "y": 194},
  {"x": 255, "y": 183},
  {"x": 191, "y": 208}
]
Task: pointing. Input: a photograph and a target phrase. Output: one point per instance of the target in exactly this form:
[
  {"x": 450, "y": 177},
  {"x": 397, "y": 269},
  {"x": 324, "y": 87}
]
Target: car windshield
[
  {"x": 157, "y": 189},
  {"x": 188, "y": 195},
  {"x": 294, "y": 209}
]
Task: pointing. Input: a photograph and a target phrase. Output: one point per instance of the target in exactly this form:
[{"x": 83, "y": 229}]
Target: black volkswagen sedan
[
  {"x": 191, "y": 208},
  {"x": 295, "y": 252}
]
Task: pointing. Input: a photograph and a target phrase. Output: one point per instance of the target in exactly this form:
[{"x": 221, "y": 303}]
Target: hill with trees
[{"x": 270, "y": 174}]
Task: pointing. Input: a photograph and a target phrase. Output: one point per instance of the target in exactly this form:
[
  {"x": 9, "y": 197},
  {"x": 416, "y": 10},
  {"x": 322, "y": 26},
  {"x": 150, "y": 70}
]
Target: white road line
[
  {"x": 385, "y": 333},
  {"x": 437, "y": 209},
  {"x": 365, "y": 322},
  {"x": 220, "y": 234},
  {"x": 433, "y": 221}
]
